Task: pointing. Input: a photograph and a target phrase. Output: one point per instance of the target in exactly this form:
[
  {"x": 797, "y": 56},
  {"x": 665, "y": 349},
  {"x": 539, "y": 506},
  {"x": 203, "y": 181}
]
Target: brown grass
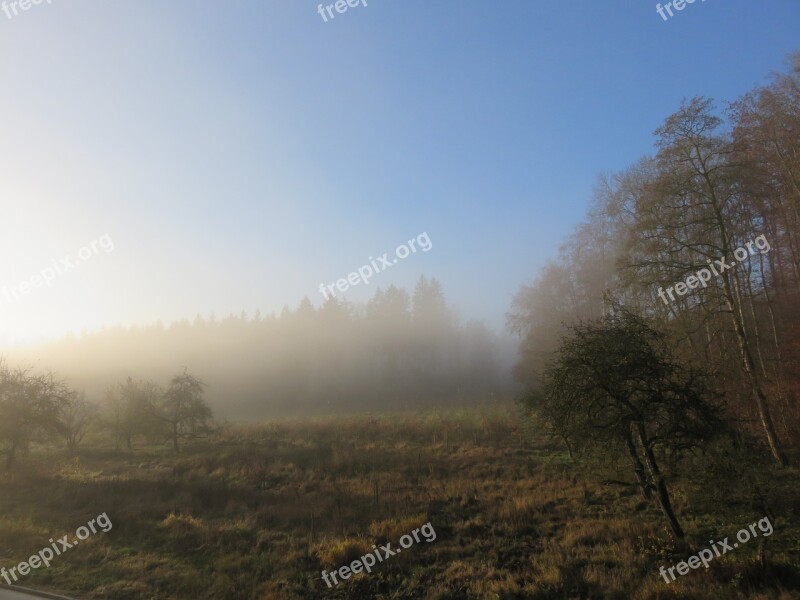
[{"x": 258, "y": 513}]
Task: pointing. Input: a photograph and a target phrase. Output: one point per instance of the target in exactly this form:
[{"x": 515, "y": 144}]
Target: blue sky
[{"x": 241, "y": 153}]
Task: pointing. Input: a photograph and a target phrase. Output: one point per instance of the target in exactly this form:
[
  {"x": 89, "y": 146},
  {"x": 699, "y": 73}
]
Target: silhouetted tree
[
  {"x": 76, "y": 418},
  {"x": 131, "y": 410},
  {"x": 615, "y": 387},
  {"x": 29, "y": 408},
  {"x": 184, "y": 409}
]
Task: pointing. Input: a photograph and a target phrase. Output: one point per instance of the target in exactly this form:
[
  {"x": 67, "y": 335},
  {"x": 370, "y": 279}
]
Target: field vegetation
[{"x": 258, "y": 511}]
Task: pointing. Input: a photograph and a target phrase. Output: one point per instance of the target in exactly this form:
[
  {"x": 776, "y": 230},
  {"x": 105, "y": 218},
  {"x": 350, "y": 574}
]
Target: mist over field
[
  {"x": 400, "y": 351},
  {"x": 391, "y": 300}
]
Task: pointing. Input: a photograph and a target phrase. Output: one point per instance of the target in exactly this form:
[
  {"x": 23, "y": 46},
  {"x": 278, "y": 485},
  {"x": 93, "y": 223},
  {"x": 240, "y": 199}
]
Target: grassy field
[{"x": 259, "y": 511}]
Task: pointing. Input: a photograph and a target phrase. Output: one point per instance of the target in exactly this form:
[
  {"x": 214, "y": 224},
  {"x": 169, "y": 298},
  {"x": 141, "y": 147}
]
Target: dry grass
[{"x": 260, "y": 511}]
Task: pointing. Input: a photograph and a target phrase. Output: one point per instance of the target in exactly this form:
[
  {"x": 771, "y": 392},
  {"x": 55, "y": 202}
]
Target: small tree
[
  {"x": 77, "y": 417},
  {"x": 615, "y": 388},
  {"x": 29, "y": 408},
  {"x": 131, "y": 409},
  {"x": 184, "y": 409}
]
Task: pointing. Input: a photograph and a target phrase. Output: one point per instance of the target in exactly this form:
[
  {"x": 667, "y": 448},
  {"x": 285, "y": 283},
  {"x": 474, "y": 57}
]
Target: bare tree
[
  {"x": 694, "y": 213},
  {"x": 614, "y": 387},
  {"x": 77, "y": 417},
  {"x": 29, "y": 408},
  {"x": 131, "y": 411},
  {"x": 184, "y": 410}
]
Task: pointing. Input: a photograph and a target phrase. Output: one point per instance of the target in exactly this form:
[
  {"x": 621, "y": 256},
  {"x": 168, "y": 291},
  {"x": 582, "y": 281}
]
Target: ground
[{"x": 259, "y": 511}]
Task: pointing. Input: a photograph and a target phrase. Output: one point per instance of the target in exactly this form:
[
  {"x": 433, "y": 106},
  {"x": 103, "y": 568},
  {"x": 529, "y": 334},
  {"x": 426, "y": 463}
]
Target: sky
[{"x": 234, "y": 156}]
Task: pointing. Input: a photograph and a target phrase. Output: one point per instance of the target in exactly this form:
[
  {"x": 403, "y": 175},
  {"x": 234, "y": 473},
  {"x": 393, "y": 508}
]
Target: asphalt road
[{"x": 7, "y": 593}]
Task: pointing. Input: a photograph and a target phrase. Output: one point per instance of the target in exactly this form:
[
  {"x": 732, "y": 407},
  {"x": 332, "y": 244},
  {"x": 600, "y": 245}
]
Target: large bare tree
[{"x": 614, "y": 387}]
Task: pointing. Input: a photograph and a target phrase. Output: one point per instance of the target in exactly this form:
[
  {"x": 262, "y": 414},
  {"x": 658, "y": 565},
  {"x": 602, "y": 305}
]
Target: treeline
[
  {"x": 719, "y": 180},
  {"x": 399, "y": 351},
  {"x": 41, "y": 408}
]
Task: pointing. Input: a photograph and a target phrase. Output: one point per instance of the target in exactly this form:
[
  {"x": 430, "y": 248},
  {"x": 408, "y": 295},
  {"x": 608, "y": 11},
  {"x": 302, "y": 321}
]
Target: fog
[{"x": 399, "y": 351}]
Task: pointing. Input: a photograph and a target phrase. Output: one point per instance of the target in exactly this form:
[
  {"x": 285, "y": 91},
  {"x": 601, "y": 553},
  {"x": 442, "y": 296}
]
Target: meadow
[{"x": 258, "y": 511}]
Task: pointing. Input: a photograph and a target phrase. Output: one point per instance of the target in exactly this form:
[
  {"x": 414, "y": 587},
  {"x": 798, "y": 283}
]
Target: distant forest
[{"x": 399, "y": 351}]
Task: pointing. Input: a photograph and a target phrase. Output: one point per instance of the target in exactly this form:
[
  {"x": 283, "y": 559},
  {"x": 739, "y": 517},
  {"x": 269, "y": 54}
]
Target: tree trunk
[
  {"x": 569, "y": 447},
  {"x": 638, "y": 467},
  {"x": 175, "y": 436},
  {"x": 761, "y": 399},
  {"x": 661, "y": 485},
  {"x": 762, "y": 556},
  {"x": 737, "y": 320}
]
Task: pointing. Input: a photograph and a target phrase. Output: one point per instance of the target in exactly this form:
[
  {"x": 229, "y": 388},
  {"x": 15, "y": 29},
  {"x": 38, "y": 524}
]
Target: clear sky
[{"x": 240, "y": 153}]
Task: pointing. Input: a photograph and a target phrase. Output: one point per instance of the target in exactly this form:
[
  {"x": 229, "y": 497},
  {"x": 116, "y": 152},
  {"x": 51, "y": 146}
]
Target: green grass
[{"x": 231, "y": 518}]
